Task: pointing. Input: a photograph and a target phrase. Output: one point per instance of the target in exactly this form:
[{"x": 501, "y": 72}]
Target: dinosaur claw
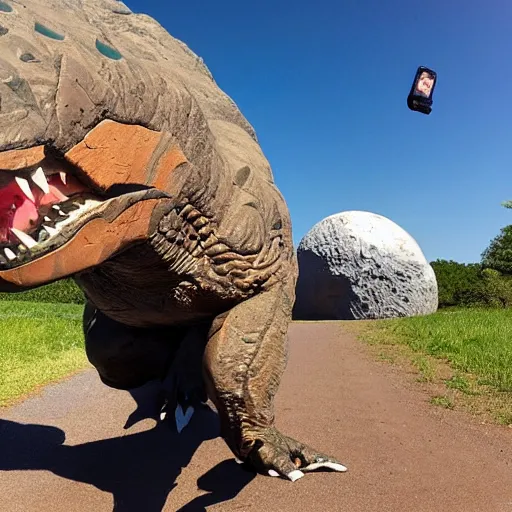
[
  {"x": 182, "y": 418},
  {"x": 272, "y": 472},
  {"x": 295, "y": 475},
  {"x": 327, "y": 464}
]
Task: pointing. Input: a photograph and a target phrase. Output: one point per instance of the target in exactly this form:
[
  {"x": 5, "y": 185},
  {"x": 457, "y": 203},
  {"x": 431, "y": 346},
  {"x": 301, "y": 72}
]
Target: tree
[
  {"x": 498, "y": 288},
  {"x": 498, "y": 255},
  {"x": 507, "y": 204},
  {"x": 455, "y": 280},
  {"x": 468, "y": 285}
]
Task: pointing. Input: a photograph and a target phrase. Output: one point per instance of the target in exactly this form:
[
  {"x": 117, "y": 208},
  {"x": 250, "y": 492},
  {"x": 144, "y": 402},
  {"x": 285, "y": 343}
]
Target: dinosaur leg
[
  {"x": 244, "y": 361},
  {"x": 184, "y": 384},
  {"x": 127, "y": 357}
]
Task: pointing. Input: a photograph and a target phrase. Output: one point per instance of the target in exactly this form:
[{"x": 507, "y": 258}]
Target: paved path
[{"x": 67, "y": 450}]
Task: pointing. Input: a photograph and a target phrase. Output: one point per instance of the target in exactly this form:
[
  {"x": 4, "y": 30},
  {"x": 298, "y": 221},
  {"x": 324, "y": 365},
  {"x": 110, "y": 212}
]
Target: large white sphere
[{"x": 360, "y": 265}]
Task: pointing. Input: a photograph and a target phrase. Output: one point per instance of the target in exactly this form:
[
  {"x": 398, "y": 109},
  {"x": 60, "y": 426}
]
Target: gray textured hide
[{"x": 359, "y": 265}]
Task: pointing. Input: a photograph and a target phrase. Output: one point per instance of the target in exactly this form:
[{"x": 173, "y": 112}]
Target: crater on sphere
[{"x": 360, "y": 265}]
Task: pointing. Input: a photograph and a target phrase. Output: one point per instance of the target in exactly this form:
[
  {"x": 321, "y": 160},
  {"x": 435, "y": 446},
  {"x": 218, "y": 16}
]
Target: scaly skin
[{"x": 186, "y": 253}]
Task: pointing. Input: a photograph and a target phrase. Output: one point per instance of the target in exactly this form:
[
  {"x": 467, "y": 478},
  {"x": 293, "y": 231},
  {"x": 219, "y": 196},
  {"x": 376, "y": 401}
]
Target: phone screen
[{"x": 425, "y": 84}]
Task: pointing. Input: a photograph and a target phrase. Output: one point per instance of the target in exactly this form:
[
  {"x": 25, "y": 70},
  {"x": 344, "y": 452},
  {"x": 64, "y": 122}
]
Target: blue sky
[{"x": 325, "y": 83}]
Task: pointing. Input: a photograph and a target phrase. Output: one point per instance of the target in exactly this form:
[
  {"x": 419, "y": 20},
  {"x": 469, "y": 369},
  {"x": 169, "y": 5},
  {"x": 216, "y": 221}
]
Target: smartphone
[{"x": 422, "y": 90}]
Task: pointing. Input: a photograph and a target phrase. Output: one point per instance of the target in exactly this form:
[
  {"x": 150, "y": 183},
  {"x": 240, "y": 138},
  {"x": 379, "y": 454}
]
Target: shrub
[
  {"x": 470, "y": 285},
  {"x": 498, "y": 288},
  {"x": 456, "y": 280}
]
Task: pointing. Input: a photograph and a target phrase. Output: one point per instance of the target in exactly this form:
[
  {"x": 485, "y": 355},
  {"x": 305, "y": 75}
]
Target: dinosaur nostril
[
  {"x": 45, "y": 31},
  {"x": 3, "y": 30},
  {"x": 108, "y": 51},
  {"x": 5, "y": 7}
]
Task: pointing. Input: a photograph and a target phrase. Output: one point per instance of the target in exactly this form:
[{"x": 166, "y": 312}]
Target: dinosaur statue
[{"x": 124, "y": 166}]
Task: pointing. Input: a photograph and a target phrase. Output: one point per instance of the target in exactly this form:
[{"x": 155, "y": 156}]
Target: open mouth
[
  {"x": 36, "y": 205},
  {"x": 43, "y": 207},
  {"x": 62, "y": 213}
]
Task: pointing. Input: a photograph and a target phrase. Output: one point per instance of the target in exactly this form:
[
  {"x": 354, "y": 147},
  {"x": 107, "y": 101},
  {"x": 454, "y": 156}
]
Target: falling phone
[{"x": 422, "y": 90}]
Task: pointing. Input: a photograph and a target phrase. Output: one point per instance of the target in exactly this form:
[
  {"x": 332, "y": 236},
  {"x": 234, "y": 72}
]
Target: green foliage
[
  {"x": 455, "y": 280},
  {"x": 498, "y": 255},
  {"x": 486, "y": 284},
  {"x": 498, "y": 288},
  {"x": 507, "y": 204},
  {"x": 65, "y": 291},
  {"x": 471, "y": 285}
]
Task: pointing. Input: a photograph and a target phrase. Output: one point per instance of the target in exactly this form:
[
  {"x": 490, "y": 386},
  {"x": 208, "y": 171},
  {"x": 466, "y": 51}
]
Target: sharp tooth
[
  {"x": 24, "y": 238},
  {"x": 51, "y": 231},
  {"x": 39, "y": 179},
  {"x": 25, "y": 188},
  {"x": 57, "y": 208},
  {"x": 10, "y": 255},
  {"x": 47, "y": 219},
  {"x": 63, "y": 177},
  {"x": 43, "y": 236}
]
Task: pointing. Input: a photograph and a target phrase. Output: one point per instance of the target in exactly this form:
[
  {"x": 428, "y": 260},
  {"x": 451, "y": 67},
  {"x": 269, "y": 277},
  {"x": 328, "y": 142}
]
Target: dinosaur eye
[
  {"x": 45, "y": 31},
  {"x": 5, "y": 7},
  {"x": 108, "y": 51}
]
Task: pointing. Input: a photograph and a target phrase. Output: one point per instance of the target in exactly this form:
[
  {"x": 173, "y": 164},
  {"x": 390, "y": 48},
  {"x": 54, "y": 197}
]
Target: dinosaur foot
[
  {"x": 181, "y": 417},
  {"x": 278, "y": 455},
  {"x": 182, "y": 396}
]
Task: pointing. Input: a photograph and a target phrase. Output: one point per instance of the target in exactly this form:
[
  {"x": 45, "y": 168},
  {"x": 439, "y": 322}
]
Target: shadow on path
[
  {"x": 139, "y": 470},
  {"x": 223, "y": 482}
]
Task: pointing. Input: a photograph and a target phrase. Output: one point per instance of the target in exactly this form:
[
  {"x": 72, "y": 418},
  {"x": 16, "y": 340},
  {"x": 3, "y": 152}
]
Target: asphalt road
[{"x": 80, "y": 446}]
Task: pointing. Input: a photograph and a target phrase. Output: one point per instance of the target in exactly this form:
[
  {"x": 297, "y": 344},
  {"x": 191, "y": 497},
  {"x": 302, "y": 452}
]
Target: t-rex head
[{"x": 105, "y": 119}]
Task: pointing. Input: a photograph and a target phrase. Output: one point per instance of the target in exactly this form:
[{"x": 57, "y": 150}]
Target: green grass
[
  {"x": 39, "y": 343},
  {"x": 460, "y": 383},
  {"x": 425, "y": 367},
  {"x": 442, "y": 401},
  {"x": 472, "y": 340},
  {"x": 466, "y": 351},
  {"x": 64, "y": 291}
]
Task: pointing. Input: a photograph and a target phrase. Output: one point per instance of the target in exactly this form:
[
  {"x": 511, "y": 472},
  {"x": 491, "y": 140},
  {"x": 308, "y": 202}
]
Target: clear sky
[{"x": 325, "y": 84}]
